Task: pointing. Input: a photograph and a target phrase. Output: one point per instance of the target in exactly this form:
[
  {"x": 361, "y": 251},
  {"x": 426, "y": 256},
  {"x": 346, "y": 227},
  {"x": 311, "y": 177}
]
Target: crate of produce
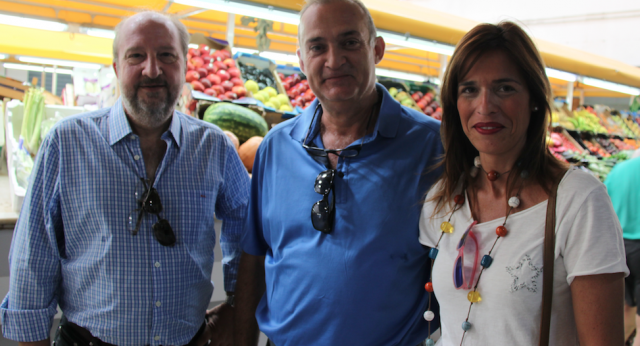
[
  {"x": 212, "y": 70},
  {"x": 262, "y": 82},
  {"x": 19, "y": 161}
]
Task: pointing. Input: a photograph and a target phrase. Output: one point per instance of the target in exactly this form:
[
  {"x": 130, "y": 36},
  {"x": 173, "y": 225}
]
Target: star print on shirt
[{"x": 525, "y": 275}]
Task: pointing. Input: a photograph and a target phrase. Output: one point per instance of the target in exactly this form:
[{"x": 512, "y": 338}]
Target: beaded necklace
[{"x": 446, "y": 227}]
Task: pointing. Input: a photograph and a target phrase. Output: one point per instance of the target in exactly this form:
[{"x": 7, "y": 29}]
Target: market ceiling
[{"x": 388, "y": 15}]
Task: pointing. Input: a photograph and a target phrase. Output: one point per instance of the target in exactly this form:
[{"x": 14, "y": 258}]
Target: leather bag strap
[{"x": 548, "y": 263}]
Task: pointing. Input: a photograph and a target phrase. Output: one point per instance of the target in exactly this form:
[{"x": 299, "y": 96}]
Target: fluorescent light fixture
[
  {"x": 32, "y": 23},
  {"x": 3, "y": 56},
  {"x": 292, "y": 58},
  {"x": 193, "y": 45},
  {"x": 400, "y": 75},
  {"x": 36, "y": 68},
  {"x": 416, "y": 43},
  {"x": 566, "y": 76},
  {"x": 264, "y": 12},
  {"x": 598, "y": 83},
  {"x": 280, "y": 57},
  {"x": 59, "y": 62},
  {"x": 101, "y": 33}
]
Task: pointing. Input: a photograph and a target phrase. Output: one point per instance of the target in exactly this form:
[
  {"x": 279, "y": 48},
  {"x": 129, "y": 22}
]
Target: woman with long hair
[{"x": 485, "y": 218}]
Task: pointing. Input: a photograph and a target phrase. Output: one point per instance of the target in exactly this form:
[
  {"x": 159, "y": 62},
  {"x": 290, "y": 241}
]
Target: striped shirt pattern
[{"x": 72, "y": 246}]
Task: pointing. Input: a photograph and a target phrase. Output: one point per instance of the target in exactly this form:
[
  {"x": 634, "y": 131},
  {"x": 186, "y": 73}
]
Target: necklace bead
[
  {"x": 493, "y": 175},
  {"x": 474, "y": 297},
  {"x": 476, "y": 161},
  {"x": 433, "y": 253},
  {"x": 459, "y": 199},
  {"x": 428, "y": 287},
  {"x": 466, "y": 325},
  {"x": 446, "y": 227},
  {"x": 501, "y": 231},
  {"x": 429, "y": 315},
  {"x": 486, "y": 261},
  {"x": 514, "y": 202},
  {"x": 430, "y": 342}
]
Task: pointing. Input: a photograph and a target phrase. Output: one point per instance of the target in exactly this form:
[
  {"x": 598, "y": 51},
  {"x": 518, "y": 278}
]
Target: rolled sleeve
[
  {"x": 231, "y": 208},
  {"x": 27, "y": 325},
  {"x": 34, "y": 260}
]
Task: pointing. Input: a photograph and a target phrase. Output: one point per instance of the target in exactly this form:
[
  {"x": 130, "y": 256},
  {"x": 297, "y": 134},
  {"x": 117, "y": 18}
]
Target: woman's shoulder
[{"x": 577, "y": 183}]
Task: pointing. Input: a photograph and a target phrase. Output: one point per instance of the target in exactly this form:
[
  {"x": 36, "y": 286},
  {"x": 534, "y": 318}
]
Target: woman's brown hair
[{"x": 459, "y": 152}]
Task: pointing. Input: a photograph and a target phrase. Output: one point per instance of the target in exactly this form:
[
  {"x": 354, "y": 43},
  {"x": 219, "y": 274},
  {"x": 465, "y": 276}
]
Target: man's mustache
[{"x": 149, "y": 82}]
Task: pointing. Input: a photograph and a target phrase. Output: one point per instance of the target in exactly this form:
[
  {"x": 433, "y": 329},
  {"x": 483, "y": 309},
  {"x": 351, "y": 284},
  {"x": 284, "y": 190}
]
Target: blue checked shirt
[{"x": 72, "y": 246}]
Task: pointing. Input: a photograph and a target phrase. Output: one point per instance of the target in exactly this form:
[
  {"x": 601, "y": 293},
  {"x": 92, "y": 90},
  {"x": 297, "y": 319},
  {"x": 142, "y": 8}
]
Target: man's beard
[{"x": 156, "y": 107}]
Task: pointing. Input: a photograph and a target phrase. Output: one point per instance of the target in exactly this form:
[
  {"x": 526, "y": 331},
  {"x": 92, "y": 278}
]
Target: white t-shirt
[{"x": 588, "y": 241}]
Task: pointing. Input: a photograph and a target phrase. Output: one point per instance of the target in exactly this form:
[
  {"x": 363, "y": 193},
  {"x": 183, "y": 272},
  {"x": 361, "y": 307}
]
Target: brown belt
[{"x": 86, "y": 338}]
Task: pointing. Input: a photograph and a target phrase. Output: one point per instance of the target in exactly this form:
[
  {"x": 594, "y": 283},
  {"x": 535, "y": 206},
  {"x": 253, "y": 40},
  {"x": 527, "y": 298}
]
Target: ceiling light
[
  {"x": 3, "y": 56},
  {"x": 264, "y": 12},
  {"x": 566, "y": 76},
  {"x": 32, "y": 23},
  {"x": 280, "y": 57},
  {"x": 59, "y": 62},
  {"x": 416, "y": 43},
  {"x": 291, "y": 58},
  {"x": 101, "y": 33},
  {"x": 36, "y": 68},
  {"x": 400, "y": 75},
  {"x": 598, "y": 83},
  {"x": 193, "y": 45}
]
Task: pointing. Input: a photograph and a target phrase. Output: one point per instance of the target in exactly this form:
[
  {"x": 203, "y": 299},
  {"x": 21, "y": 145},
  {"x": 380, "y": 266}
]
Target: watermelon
[{"x": 242, "y": 121}]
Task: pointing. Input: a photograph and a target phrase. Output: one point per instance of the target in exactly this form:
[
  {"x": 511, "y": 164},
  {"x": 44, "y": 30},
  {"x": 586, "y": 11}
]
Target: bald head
[
  {"x": 136, "y": 20},
  {"x": 358, "y": 5}
]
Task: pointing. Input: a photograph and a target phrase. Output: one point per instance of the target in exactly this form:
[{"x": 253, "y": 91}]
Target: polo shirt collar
[
  {"x": 119, "y": 126},
  {"x": 386, "y": 125}
]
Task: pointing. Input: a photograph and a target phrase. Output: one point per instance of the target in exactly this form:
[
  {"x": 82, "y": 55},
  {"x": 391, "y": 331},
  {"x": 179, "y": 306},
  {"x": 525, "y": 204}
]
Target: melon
[
  {"x": 241, "y": 121},
  {"x": 247, "y": 151},
  {"x": 233, "y": 138}
]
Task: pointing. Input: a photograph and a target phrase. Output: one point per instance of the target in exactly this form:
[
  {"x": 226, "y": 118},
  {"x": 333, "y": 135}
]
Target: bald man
[{"x": 117, "y": 227}]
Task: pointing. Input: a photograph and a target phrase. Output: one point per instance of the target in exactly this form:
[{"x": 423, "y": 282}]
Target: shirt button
[
  {"x": 156, "y": 338},
  {"x": 137, "y": 157},
  {"x": 158, "y": 304},
  {"x": 157, "y": 264},
  {"x": 133, "y": 137}
]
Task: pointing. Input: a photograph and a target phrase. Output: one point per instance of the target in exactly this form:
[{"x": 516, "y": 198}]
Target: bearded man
[{"x": 117, "y": 227}]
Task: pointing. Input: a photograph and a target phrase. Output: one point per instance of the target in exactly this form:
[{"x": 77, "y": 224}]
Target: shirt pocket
[{"x": 192, "y": 220}]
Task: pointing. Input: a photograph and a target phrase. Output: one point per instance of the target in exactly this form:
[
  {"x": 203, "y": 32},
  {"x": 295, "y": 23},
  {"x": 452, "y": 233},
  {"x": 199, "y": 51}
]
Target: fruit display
[
  {"x": 428, "y": 104},
  {"x": 247, "y": 151},
  {"x": 633, "y": 126},
  {"x": 214, "y": 73},
  {"x": 584, "y": 120},
  {"x": 239, "y": 120},
  {"x": 595, "y": 148},
  {"x": 606, "y": 144},
  {"x": 298, "y": 90},
  {"x": 262, "y": 84},
  {"x": 622, "y": 145}
]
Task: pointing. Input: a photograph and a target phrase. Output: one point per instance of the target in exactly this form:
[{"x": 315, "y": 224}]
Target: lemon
[
  {"x": 251, "y": 86},
  {"x": 272, "y": 92},
  {"x": 285, "y": 108}
]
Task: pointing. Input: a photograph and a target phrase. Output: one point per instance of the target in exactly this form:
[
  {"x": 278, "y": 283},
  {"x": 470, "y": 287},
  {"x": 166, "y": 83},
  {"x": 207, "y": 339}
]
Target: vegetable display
[{"x": 32, "y": 120}]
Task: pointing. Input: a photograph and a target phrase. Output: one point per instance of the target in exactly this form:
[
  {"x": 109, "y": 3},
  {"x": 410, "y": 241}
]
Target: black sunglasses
[
  {"x": 151, "y": 204},
  {"x": 323, "y": 211},
  {"x": 346, "y": 152}
]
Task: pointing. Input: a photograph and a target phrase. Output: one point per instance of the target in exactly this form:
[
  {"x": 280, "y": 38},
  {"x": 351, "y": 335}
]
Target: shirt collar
[
  {"x": 119, "y": 126},
  {"x": 386, "y": 125}
]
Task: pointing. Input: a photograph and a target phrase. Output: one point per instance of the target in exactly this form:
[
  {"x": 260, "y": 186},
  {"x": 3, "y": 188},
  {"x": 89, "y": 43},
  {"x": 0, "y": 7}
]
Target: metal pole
[
  {"x": 443, "y": 67},
  {"x": 231, "y": 26},
  {"x": 54, "y": 80},
  {"x": 581, "y": 97},
  {"x": 570, "y": 95}
]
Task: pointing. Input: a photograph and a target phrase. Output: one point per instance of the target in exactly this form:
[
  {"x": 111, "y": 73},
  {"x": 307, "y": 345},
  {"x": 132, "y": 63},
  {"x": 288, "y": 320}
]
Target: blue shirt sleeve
[
  {"x": 231, "y": 207},
  {"x": 253, "y": 241},
  {"x": 34, "y": 258}
]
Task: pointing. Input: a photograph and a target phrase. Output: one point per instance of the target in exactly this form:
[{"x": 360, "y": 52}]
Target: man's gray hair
[
  {"x": 183, "y": 34},
  {"x": 370, "y": 26}
]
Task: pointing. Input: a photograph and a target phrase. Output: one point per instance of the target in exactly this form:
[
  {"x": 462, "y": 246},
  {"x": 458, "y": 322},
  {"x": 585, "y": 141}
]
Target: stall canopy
[{"x": 399, "y": 18}]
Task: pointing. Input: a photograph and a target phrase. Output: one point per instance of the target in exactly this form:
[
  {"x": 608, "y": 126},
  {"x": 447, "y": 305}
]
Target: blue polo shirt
[{"x": 362, "y": 284}]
